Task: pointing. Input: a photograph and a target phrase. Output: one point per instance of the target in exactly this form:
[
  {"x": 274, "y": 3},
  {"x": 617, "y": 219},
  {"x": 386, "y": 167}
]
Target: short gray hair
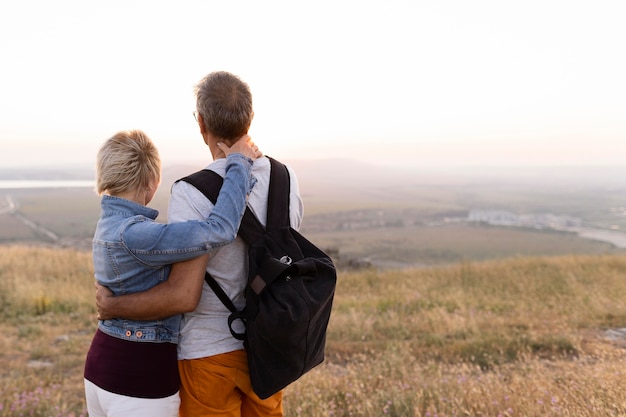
[
  {"x": 127, "y": 161},
  {"x": 225, "y": 103}
]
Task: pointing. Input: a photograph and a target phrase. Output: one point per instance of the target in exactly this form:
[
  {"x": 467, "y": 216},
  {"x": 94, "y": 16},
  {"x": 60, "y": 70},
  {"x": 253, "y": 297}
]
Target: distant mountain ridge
[
  {"x": 56, "y": 174},
  {"x": 337, "y": 171},
  {"x": 345, "y": 171},
  {"x": 327, "y": 168}
]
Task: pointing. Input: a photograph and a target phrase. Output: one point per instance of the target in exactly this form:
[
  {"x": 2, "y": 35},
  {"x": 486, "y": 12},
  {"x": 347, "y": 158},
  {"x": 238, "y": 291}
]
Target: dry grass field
[
  {"x": 525, "y": 336},
  {"x": 421, "y": 245}
]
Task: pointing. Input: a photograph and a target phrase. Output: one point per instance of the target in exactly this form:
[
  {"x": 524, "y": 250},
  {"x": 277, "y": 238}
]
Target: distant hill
[
  {"x": 383, "y": 215},
  {"x": 52, "y": 173},
  {"x": 354, "y": 173},
  {"x": 335, "y": 170}
]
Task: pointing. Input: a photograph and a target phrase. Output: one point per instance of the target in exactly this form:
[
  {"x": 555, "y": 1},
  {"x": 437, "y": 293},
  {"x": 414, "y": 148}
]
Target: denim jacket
[{"x": 132, "y": 252}]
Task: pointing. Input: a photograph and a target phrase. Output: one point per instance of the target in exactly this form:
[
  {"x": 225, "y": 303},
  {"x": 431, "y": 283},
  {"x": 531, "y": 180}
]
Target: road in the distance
[{"x": 12, "y": 207}]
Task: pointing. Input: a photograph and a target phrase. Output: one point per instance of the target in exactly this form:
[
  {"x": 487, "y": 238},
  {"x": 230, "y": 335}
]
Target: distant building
[
  {"x": 536, "y": 221},
  {"x": 496, "y": 218}
]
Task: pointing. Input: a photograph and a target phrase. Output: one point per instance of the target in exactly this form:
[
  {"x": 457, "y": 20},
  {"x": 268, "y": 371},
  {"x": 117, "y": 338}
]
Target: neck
[
  {"x": 137, "y": 197},
  {"x": 212, "y": 142}
]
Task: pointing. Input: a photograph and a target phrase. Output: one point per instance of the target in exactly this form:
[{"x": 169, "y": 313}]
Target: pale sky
[{"x": 410, "y": 83}]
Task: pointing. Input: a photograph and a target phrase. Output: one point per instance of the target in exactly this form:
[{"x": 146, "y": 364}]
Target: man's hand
[
  {"x": 243, "y": 145},
  {"x": 180, "y": 293},
  {"x": 102, "y": 296}
]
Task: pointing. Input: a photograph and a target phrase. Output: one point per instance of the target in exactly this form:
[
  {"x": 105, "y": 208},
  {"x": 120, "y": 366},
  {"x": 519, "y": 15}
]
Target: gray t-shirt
[{"x": 204, "y": 332}]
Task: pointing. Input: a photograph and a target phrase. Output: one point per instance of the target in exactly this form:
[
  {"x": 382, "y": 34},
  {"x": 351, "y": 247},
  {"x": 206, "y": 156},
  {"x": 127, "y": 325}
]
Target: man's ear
[{"x": 201, "y": 124}]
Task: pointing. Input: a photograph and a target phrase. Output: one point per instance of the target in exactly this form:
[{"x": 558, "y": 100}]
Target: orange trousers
[{"x": 220, "y": 386}]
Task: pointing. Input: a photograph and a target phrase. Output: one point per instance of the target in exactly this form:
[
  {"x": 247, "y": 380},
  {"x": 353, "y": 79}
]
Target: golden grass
[
  {"x": 47, "y": 322},
  {"x": 394, "y": 383},
  {"x": 513, "y": 337},
  {"x": 516, "y": 337},
  {"x": 39, "y": 280}
]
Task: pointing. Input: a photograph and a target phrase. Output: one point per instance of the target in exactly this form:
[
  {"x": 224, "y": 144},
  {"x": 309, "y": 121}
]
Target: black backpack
[{"x": 290, "y": 289}]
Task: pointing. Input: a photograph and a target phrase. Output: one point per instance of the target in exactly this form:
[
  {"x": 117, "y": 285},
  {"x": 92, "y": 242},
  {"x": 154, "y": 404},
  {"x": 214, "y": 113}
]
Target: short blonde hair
[{"x": 127, "y": 161}]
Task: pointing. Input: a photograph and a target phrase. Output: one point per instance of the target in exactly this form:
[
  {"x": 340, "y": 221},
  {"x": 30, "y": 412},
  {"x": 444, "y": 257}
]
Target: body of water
[
  {"x": 618, "y": 239},
  {"x": 21, "y": 184}
]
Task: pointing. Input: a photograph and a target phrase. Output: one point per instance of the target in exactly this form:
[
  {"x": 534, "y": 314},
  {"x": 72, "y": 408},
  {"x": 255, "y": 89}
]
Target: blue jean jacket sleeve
[{"x": 157, "y": 244}]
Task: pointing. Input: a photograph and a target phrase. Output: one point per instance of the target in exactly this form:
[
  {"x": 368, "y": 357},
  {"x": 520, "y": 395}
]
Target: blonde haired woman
[{"x": 131, "y": 367}]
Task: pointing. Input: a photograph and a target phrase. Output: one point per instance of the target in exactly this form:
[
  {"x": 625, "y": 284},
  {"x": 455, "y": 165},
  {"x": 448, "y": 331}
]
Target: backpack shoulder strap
[
  {"x": 209, "y": 183},
  {"x": 278, "y": 198},
  {"x": 219, "y": 291},
  {"x": 206, "y": 181}
]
